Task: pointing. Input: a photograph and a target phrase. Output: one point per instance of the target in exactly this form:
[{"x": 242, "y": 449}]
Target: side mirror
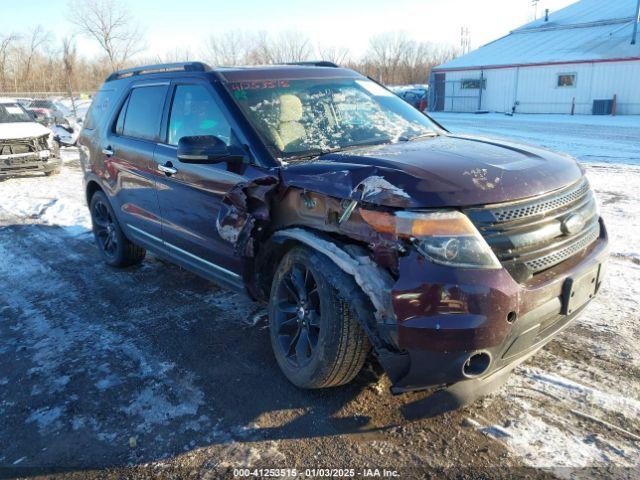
[{"x": 207, "y": 149}]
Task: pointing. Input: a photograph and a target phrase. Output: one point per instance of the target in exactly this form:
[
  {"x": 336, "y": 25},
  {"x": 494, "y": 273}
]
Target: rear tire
[
  {"x": 114, "y": 246},
  {"x": 316, "y": 338}
]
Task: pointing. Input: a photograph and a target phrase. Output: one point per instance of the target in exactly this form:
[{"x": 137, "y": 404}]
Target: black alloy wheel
[
  {"x": 298, "y": 314},
  {"x": 317, "y": 339},
  {"x": 105, "y": 228},
  {"x": 115, "y": 247}
]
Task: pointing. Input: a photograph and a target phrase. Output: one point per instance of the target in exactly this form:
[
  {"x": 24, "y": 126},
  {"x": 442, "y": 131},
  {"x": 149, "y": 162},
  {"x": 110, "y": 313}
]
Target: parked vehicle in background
[
  {"x": 25, "y": 146},
  {"x": 360, "y": 222},
  {"x": 24, "y": 101},
  {"x": 418, "y": 97},
  {"x": 46, "y": 112},
  {"x": 66, "y": 134}
]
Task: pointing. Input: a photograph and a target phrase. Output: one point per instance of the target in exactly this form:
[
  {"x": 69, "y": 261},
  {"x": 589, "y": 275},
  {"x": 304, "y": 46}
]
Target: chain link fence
[{"x": 47, "y": 95}]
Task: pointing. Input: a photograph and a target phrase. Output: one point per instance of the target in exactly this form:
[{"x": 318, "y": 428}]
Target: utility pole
[
  {"x": 535, "y": 8},
  {"x": 635, "y": 24},
  {"x": 465, "y": 39}
]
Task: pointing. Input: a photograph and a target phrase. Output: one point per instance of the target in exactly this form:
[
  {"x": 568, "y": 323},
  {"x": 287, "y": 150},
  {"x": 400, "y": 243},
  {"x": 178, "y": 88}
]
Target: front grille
[
  {"x": 514, "y": 212},
  {"x": 23, "y": 145},
  {"x": 532, "y": 235}
]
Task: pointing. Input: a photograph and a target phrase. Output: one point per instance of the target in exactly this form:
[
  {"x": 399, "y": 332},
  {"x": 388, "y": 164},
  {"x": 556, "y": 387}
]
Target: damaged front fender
[{"x": 366, "y": 183}]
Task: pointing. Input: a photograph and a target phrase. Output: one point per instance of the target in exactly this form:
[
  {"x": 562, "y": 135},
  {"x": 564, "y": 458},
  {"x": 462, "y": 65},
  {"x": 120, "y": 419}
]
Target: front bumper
[
  {"x": 28, "y": 162},
  {"x": 445, "y": 315}
]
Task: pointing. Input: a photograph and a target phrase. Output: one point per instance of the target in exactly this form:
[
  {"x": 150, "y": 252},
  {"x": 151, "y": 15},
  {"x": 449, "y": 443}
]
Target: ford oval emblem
[{"x": 572, "y": 224}]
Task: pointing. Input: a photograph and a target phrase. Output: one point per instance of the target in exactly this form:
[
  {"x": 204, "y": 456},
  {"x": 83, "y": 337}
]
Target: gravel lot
[{"x": 154, "y": 372}]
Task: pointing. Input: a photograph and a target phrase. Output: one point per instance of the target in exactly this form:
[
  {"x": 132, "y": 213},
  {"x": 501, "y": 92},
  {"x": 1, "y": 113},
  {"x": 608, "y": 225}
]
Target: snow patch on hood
[{"x": 11, "y": 131}]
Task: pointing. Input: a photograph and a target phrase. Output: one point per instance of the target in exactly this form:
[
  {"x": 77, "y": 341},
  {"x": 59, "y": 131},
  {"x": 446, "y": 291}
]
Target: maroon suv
[{"x": 365, "y": 225}]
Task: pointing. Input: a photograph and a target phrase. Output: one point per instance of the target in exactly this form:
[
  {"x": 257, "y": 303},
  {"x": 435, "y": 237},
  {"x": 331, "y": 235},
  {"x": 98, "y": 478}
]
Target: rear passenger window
[
  {"x": 143, "y": 112},
  {"x": 195, "y": 112},
  {"x": 99, "y": 107}
]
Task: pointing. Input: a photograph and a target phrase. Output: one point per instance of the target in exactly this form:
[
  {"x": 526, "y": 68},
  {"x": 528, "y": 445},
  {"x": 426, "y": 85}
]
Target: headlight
[{"x": 445, "y": 237}]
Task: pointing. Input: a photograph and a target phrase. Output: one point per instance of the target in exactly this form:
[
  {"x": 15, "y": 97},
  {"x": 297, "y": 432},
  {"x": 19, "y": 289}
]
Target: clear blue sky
[{"x": 185, "y": 24}]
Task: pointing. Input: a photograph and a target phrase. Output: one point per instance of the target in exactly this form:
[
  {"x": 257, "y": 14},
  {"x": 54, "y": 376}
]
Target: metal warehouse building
[{"x": 583, "y": 59}]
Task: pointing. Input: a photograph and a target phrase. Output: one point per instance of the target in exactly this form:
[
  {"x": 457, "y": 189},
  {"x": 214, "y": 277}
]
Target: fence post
[{"x": 573, "y": 106}]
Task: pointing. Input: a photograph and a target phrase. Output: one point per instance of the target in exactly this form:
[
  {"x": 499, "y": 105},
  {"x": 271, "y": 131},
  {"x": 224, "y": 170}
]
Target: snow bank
[{"x": 56, "y": 200}]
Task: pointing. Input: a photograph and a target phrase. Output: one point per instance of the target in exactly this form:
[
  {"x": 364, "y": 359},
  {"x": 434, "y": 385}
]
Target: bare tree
[
  {"x": 27, "y": 62},
  {"x": 242, "y": 48},
  {"x": 229, "y": 48},
  {"x": 337, "y": 55},
  {"x": 37, "y": 39},
  {"x": 69, "y": 58},
  {"x": 7, "y": 42},
  {"x": 109, "y": 23},
  {"x": 260, "y": 50},
  {"x": 387, "y": 51},
  {"x": 289, "y": 46},
  {"x": 395, "y": 59}
]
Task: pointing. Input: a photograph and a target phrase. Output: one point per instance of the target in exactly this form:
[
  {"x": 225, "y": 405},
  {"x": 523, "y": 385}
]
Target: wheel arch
[
  {"x": 373, "y": 282},
  {"x": 92, "y": 187}
]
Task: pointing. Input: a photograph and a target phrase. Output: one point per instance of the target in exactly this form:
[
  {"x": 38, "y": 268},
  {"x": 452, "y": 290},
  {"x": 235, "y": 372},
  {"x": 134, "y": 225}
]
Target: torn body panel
[
  {"x": 376, "y": 185},
  {"x": 374, "y": 281},
  {"x": 241, "y": 207}
]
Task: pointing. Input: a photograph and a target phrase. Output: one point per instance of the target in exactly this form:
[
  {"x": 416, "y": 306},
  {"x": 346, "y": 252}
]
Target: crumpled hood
[
  {"x": 447, "y": 170},
  {"x": 10, "y": 131}
]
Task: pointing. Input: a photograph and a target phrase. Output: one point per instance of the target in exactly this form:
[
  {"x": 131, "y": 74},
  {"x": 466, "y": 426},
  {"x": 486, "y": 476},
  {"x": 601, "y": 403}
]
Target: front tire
[
  {"x": 115, "y": 247},
  {"x": 316, "y": 338}
]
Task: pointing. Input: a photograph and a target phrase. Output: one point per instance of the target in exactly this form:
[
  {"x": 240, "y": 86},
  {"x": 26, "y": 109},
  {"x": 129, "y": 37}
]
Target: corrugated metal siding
[
  {"x": 536, "y": 90},
  {"x": 622, "y": 79}
]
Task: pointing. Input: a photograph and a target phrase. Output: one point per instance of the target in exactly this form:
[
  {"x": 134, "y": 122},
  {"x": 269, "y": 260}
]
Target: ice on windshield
[{"x": 307, "y": 117}]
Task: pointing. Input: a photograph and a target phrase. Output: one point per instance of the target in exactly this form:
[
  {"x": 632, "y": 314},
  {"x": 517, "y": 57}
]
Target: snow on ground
[
  {"x": 557, "y": 402},
  {"x": 590, "y": 138},
  {"x": 59, "y": 201}
]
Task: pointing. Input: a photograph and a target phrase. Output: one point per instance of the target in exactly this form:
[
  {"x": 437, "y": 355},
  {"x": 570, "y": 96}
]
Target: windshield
[
  {"x": 13, "y": 112},
  {"x": 299, "y": 118}
]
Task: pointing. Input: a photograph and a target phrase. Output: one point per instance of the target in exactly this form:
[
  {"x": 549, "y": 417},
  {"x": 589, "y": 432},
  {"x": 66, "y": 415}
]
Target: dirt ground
[{"x": 152, "y": 372}]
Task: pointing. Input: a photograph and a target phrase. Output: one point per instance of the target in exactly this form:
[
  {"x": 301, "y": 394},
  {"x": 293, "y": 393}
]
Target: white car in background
[{"x": 25, "y": 145}]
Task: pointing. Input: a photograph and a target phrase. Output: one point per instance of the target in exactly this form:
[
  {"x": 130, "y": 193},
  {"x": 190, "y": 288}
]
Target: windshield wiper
[{"x": 319, "y": 152}]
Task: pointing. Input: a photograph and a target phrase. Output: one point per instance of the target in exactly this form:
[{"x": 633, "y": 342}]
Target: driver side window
[{"x": 195, "y": 112}]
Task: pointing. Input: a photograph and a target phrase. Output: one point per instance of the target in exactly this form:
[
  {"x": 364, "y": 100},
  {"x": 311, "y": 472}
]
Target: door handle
[
  {"x": 168, "y": 169},
  {"x": 108, "y": 151}
]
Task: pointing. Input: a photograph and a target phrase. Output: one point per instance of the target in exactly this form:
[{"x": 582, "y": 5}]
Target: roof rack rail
[
  {"x": 161, "y": 67},
  {"x": 317, "y": 63}
]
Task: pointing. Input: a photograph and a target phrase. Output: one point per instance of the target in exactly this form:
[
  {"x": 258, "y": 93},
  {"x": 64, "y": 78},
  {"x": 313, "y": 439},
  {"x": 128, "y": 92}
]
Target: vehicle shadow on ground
[{"x": 106, "y": 367}]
